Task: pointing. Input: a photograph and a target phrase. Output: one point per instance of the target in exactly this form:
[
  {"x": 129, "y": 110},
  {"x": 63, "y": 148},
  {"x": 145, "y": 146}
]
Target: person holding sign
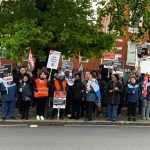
[
  {"x": 9, "y": 95},
  {"x": 40, "y": 88},
  {"x": 60, "y": 85}
]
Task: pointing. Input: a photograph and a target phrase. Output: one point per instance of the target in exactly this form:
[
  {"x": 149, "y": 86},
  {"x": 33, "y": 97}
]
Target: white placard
[
  {"x": 145, "y": 67},
  {"x": 53, "y": 59}
]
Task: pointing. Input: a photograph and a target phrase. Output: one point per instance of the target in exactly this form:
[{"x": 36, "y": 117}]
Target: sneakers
[
  {"x": 114, "y": 121},
  {"x": 69, "y": 115},
  {"x": 119, "y": 115},
  {"x": 3, "y": 118},
  {"x": 42, "y": 118},
  {"x": 144, "y": 118},
  {"x": 38, "y": 117},
  {"x": 147, "y": 118},
  {"x": 52, "y": 118},
  {"x": 22, "y": 117}
]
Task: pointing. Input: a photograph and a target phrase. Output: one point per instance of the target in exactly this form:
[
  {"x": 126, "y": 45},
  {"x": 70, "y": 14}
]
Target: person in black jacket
[
  {"x": 19, "y": 79},
  {"x": 26, "y": 94},
  {"x": 78, "y": 94},
  {"x": 102, "y": 84},
  {"x": 114, "y": 89}
]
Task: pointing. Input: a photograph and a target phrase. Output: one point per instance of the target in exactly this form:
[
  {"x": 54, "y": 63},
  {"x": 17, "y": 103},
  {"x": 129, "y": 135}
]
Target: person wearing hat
[
  {"x": 146, "y": 100},
  {"x": 68, "y": 100},
  {"x": 133, "y": 93},
  {"x": 114, "y": 90},
  {"x": 78, "y": 94},
  {"x": 59, "y": 85}
]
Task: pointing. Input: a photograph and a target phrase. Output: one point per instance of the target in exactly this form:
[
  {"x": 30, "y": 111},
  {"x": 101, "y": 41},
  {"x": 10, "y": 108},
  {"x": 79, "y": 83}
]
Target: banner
[
  {"x": 67, "y": 65},
  {"x": 53, "y": 59},
  {"x": 108, "y": 63},
  {"x": 6, "y": 73},
  {"x": 59, "y": 100},
  {"x": 109, "y": 56},
  {"x": 118, "y": 67},
  {"x": 145, "y": 67},
  {"x": 145, "y": 85},
  {"x": 30, "y": 62},
  {"x": 80, "y": 67},
  {"x": 95, "y": 86}
]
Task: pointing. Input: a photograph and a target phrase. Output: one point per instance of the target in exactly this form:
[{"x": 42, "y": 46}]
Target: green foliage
[
  {"x": 120, "y": 20},
  {"x": 61, "y": 25}
]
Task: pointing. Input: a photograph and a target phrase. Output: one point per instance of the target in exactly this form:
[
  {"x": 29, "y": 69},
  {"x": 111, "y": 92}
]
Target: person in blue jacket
[
  {"x": 91, "y": 98},
  {"x": 9, "y": 95},
  {"x": 133, "y": 93},
  {"x": 146, "y": 100}
]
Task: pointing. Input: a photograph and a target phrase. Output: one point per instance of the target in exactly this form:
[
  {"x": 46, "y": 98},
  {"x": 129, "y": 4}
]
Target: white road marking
[
  {"x": 13, "y": 125},
  {"x": 33, "y": 126}
]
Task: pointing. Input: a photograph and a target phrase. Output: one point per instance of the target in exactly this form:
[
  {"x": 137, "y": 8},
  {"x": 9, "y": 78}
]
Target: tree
[
  {"x": 121, "y": 20},
  {"x": 41, "y": 25}
]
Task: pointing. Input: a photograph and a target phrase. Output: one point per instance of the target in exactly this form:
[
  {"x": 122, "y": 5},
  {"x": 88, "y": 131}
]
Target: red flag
[
  {"x": 30, "y": 62},
  {"x": 145, "y": 85},
  {"x": 80, "y": 68}
]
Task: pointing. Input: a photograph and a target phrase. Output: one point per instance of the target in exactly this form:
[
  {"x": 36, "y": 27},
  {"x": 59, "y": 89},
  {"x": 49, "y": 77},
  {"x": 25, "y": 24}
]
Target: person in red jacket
[{"x": 41, "y": 88}]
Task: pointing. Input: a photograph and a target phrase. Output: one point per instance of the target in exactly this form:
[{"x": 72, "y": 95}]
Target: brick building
[{"x": 126, "y": 48}]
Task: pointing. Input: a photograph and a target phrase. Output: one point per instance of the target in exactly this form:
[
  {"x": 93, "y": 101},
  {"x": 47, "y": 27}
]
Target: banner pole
[
  {"x": 6, "y": 87},
  {"x": 58, "y": 113},
  {"x": 50, "y": 73}
]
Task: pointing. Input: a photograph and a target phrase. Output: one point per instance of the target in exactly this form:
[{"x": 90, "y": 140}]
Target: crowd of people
[{"x": 37, "y": 88}]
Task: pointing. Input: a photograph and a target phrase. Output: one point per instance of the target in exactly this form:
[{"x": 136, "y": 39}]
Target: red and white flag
[
  {"x": 30, "y": 62},
  {"x": 80, "y": 68},
  {"x": 145, "y": 85}
]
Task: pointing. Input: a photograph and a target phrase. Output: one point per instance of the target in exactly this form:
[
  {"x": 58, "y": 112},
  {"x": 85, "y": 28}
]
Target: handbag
[{"x": 27, "y": 98}]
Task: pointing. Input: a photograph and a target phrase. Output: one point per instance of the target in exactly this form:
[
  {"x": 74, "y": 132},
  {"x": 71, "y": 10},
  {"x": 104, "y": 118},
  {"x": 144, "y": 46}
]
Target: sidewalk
[{"x": 97, "y": 120}]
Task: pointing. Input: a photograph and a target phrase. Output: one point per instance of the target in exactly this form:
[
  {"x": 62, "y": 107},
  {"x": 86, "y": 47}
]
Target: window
[
  {"x": 106, "y": 24},
  {"x": 134, "y": 28},
  {"x": 65, "y": 58},
  {"x": 3, "y": 53},
  {"x": 131, "y": 54},
  {"x": 85, "y": 60},
  {"x": 103, "y": 25}
]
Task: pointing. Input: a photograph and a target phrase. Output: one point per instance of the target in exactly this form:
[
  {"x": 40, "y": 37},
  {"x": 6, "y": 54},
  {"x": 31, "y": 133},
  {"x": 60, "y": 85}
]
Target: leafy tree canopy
[
  {"x": 61, "y": 25},
  {"x": 121, "y": 20}
]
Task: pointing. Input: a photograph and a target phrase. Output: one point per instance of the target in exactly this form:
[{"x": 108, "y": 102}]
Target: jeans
[
  {"x": 8, "y": 105},
  {"x": 119, "y": 110},
  {"x": 61, "y": 112},
  {"x": 140, "y": 106},
  {"x": 145, "y": 107},
  {"x": 132, "y": 109},
  {"x": 68, "y": 101},
  {"x": 112, "y": 111}
]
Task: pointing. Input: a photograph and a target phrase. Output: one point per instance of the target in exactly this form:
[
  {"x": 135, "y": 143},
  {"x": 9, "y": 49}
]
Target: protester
[
  {"x": 19, "y": 79},
  {"x": 68, "y": 101},
  {"x": 85, "y": 81},
  {"x": 91, "y": 97},
  {"x": 59, "y": 85},
  {"x": 114, "y": 89},
  {"x": 26, "y": 94},
  {"x": 133, "y": 94},
  {"x": 122, "y": 96},
  {"x": 128, "y": 75},
  {"x": 102, "y": 84},
  {"x": 139, "y": 79},
  {"x": 41, "y": 93},
  {"x": 44, "y": 69},
  {"x": 78, "y": 95},
  {"x": 146, "y": 100},
  {"x": 9, "y": 95}
]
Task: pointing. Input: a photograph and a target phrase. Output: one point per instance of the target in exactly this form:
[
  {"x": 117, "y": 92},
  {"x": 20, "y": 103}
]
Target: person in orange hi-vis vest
[
  {"x": 41, "y": 88},
  {"x": 60, "y": 85}
]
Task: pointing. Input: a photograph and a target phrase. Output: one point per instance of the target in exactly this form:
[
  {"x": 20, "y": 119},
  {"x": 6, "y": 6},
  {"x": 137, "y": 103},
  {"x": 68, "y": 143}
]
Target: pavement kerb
[{"x": 72, "y": 122}]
